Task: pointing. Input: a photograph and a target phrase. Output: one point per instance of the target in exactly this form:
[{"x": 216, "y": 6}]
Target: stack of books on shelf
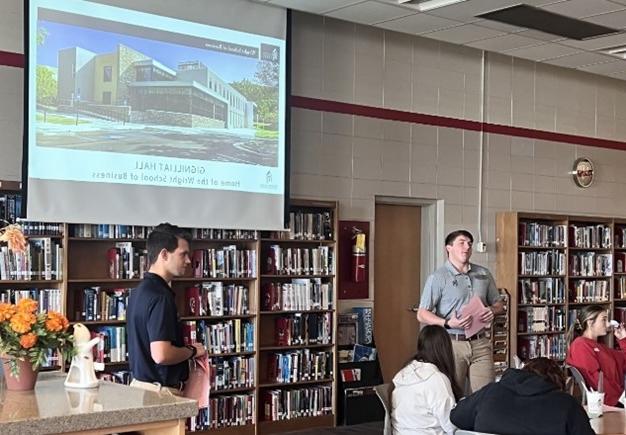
[
  {"x": 105, "y": 231},
  {"x": 299, "y": 365},
  {"x": 301, "y": 294},
  {"x": 126, "y": 261},
  {"x": 591, "y": 264},
  {"x": 542, "y": 263},
  {"x": 96, "y": 304},
  {"x": 112, "y": 345},
  {"x": 305, "y": 225},
  {"x": 549, "y": 346},
  {"x": 541, "y": 319},
  {"x": 300, "y": 261},
  {"x": 583, "y": 291},
  {"x": 295, "y": 403},
  {"x": 225, "y": 411},
  {"x": 303, "y": 329},
  {"x": 229, "y": 336},
  {"x": 48, "y": 299},
  {"x": 42, "y": 260},
  {"x": 220, "y": 234},
  {"x": 227, "y": 262},
  {"x": 228, "y": 373},
  {"x": 590, "y": 236},
  {"x": 36, "y": 228},
  {"x": 542, "y": 291},
  {"x": 217, "y": 299}
]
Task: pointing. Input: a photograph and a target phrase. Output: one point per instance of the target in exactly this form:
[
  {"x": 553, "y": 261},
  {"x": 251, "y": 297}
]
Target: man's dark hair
[
  {"x": 548, "y": 370},
  {"x": 435, "y": 346},
  {"x": 450, "y": 238},
  {"x": 165, "y": 236}
]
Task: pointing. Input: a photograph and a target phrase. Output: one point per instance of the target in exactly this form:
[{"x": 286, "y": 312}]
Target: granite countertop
[{"x": 52, "y": 408}]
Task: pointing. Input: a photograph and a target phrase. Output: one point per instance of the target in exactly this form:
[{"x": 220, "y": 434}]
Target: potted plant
[{"x": 25, "y": 337}]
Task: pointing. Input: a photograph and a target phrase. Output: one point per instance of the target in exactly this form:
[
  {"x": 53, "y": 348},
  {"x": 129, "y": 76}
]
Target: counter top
[{"x": 52, "y": 408}]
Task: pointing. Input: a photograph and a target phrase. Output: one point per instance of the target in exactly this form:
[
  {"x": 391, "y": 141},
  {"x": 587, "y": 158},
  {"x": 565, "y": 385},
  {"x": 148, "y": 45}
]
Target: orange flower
[
  {"x": 56, "y": 322},
  {"x": 28, "y": 340},
  {"x": 6, "y": 311},
  {"x": 27, "y": 305},
  {"x": 22, "y": 322}
]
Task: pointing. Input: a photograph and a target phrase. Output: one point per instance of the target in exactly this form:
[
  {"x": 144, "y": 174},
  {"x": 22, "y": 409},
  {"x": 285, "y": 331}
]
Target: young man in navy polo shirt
[{"x": 158, "y": 357}]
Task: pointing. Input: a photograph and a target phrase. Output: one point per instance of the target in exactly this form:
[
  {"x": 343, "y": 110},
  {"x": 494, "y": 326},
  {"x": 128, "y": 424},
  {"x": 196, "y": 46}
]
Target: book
[
  {"x": 364, "y": 353},
  {"x": 365, "y": 324}
]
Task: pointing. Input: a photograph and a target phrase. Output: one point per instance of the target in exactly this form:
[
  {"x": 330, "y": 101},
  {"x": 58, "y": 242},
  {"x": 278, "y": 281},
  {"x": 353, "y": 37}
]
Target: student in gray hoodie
[{"x": 531, "y": 401}]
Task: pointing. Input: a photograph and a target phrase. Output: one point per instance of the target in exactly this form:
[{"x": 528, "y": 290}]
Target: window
[{"x": 108, "y": 73}]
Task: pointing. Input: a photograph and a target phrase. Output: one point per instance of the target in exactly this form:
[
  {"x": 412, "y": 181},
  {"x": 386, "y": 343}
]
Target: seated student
[
  {"x": 425, "y": 390},
  {"x": 531, "y": 401},
  {"x": 591, "y": 357}
]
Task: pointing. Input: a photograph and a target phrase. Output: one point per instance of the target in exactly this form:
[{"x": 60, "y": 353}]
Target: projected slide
[{"x": 127, "y": 97}]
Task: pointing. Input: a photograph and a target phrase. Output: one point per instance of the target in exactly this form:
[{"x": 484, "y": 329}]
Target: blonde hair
[{"x": 588, "y": 314}]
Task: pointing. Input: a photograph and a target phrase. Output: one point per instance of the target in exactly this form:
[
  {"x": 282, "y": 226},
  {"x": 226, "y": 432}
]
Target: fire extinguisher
[{"x": 359, "y": 255}]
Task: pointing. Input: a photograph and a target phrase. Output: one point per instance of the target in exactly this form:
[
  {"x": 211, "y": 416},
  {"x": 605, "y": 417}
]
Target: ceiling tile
[
  {"x": 605, "y": 68},
  {"x": 314, "y": 6},
  {"x": 583, "y": 8},
  {"x": 506, "y": 42},
  {"x": 463, "y": 34},
  {"x": 615, "y": 20},
  {"x": 496, "y": 25},
  {"x": 541, "y": 52},
  {"x": 541, "y": 36},
  {"x": 580, "y": 59},
  {"x": 370, "y": 12},
  {"x": 418, "y": 23}
]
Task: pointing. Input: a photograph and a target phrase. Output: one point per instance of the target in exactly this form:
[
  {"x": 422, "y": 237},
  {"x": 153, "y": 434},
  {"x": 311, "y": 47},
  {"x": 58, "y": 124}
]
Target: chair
[
  {"x": 580, "y": 381},
  {"x": 383, "y": 391}
]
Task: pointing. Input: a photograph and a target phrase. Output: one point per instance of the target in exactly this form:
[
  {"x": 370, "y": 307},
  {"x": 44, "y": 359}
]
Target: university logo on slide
[{"x": 270, "y": 53}]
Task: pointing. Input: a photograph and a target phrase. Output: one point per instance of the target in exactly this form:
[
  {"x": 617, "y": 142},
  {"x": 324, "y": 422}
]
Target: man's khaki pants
[{"x": 473, "y": 358}]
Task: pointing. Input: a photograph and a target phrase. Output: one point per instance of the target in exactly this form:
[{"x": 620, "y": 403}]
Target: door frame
[{"x": 432, "y": 232}]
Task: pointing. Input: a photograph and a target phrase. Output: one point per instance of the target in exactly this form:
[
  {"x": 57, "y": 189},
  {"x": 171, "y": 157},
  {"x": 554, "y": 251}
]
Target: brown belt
[{"x": 462, "y": 337}]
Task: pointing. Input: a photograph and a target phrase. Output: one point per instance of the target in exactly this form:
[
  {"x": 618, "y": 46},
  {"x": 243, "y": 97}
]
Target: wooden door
[{"x": 397, "y": 284}]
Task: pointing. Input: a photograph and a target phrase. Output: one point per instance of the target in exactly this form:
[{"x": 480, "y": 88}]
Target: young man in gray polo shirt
[{"x": 446, "y": 291}]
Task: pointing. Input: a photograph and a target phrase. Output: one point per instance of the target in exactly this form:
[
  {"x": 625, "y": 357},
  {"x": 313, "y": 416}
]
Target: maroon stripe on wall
[
  {"x": 12, "y": 59},
  {"x": 443, "y": 121}
]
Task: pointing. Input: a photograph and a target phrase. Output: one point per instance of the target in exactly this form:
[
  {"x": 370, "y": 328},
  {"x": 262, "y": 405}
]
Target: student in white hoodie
[{"x": 425, "y": 390}]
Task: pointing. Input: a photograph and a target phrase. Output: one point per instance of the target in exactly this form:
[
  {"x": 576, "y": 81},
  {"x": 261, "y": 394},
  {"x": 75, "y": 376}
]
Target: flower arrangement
[{"x": 27, "y": 335}]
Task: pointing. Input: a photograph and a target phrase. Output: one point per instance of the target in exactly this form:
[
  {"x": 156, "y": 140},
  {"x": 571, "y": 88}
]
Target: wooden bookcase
[
  {"x": 275, "y": 276},
  {"x": 86, "y": 265},
  {"x": 553, "y": 265}
]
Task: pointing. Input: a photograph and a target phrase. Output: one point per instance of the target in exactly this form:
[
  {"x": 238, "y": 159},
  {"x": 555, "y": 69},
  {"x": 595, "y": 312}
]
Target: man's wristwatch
[
  {"x": 446, "y": 324},
  {"x": 193, "y": 350}
]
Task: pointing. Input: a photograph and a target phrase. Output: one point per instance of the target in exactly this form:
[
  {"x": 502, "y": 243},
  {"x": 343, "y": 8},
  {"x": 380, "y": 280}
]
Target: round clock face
[{"x": 583, "y": 172}]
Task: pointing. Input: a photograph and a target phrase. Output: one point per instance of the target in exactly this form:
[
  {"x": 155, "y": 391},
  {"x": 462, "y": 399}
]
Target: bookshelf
[
  {"x": 297, "y": 333},
  {"x": 10, "y": 200},
  {"x": 554, "y": 265},
  {"x": 98, "y": 265}
]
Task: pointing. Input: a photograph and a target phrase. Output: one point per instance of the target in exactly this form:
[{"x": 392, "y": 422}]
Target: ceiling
[{"x": 458, "y": 24}]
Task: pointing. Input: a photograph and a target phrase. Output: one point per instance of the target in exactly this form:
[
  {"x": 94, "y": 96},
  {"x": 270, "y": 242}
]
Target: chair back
[
  {"x": 383, "y": 391},
  {"x": 580, "y": 381}
]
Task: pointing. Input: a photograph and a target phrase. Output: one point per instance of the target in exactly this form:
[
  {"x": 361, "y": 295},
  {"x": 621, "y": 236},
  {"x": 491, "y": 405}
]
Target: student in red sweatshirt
[{"x": 591, "y": 357}]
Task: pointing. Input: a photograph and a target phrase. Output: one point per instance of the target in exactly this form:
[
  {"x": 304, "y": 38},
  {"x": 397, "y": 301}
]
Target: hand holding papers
[{"x": 475, "y": 310}]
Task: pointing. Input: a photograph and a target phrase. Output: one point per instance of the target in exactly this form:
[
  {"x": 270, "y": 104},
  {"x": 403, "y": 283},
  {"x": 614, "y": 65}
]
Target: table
[
  {"x": 110, "y": 408},
  {"x": 611, "y": 423}
]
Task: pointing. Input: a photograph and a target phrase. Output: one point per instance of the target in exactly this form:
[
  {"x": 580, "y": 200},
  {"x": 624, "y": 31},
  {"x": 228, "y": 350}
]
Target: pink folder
[
  {"x": 474, "y": 308},
  {"x": 198, "y": 385}
]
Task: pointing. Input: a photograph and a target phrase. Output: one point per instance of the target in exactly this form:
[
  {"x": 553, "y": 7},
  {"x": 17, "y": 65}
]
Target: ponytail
[{"x": 588, "y": 314}]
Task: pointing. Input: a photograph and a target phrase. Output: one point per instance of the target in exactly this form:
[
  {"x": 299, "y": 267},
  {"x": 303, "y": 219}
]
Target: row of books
[
  {"x": 300, "y": 261},
  {"x": 301, "y": 402},
  {"x": 549, "y": 346},
  {"x": 48, "y": 299},
  {"x": 127, "y": 261},
  {"x": 307, "y": 226},
  {"x": 542, "y": 235},
  {"x": 106, "y": 231},
  {"x": 224, "y": 411},
  {"x": 220, "y": 234},
  {"x": 299, "y": 365},
  {"x": 590, "y": 291},
  {"x": 542, "y": 263},
  {"x": 10, "y": 206},
  {"x": 231, "y": 372},
  {"x": 30, "y": 228},
  {"x": 42, "y": 260},
  {"x": 227, "y": 262},
  {"x": 541, "y": 319},
  {"x": 542, "y": 291},
  {"x": 591, "y": 264},
  {"x": 112, "y": 344},
  {"x": 223, "y": 337},
  {"x": 303, "y": 329},
  {"x": 590, "y": 236},
  {"x": 215, "y": 299},
  {"x": 96, "y": 303},
  {"x": 300, "y": 294}
]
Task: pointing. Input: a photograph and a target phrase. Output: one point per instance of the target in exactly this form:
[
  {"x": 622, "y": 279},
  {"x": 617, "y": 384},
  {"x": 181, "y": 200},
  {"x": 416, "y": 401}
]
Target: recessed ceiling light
[
  {"x": 619, "y": 51},
  {"x": 428, "y": 5}
]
